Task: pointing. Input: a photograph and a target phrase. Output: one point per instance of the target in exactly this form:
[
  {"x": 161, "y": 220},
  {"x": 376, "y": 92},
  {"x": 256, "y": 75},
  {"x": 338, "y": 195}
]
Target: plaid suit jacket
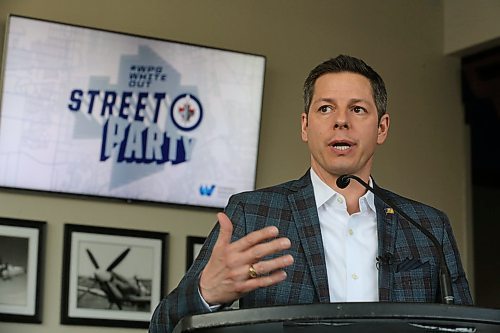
[{"x": 410, "y": 276}]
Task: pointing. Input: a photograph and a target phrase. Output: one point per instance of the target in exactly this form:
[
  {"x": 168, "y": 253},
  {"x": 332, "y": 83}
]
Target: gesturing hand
[{"x": 227, "y": 275}]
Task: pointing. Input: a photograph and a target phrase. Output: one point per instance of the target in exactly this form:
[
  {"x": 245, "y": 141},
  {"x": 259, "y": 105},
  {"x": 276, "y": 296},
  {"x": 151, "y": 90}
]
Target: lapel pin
[{"x": 389, "y": 211}]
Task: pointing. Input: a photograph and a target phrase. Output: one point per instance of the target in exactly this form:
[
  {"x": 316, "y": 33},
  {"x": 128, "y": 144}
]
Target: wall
[
  {"x": 425, "y": 157},
  {"x": 470, "y": 25}
]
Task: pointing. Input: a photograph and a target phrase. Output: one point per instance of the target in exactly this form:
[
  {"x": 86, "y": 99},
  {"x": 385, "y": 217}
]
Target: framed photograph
[
  {"x": 193, "y": 247},
  {"x": 21, "y": 270},
  {"x": 112, "y": 277}
]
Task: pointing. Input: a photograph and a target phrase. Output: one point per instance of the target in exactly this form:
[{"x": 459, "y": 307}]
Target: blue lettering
[
  {"x": 92, "y": 95},
  {"x": 155, "y": 140},
  {"x": 188, "y": 144},
  {"x": 134, "y": 145},
  {"x": 141, "y": 105},
  {"x": 125, "y": 104},
  {"x": 205, "y": 190},
  {"x": 108, "y": 102},
  {"x": 75, "y": 97},
  {"x": 113, "y": 133},
  {"x": 159, "y": 97},
  {"x": 140, "y": 144}
]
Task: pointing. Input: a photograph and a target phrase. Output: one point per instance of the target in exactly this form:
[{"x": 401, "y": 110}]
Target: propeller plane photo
[{"x": 116, "y": 288}]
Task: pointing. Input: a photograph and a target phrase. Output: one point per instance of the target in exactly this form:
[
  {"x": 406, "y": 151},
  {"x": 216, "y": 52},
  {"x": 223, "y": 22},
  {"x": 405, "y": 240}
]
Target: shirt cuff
[{"x": 209, "y": 307}]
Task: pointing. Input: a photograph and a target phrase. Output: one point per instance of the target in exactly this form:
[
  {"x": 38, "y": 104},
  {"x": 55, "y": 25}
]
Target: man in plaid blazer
[{"x": 276, "y": 246}]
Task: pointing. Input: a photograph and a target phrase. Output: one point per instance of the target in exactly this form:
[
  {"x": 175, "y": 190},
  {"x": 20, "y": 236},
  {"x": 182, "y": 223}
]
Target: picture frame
[
  {"x": 193, "y": 247},
  {"x": 111, "y": 276},
  {"x": 22, "y": 246}
]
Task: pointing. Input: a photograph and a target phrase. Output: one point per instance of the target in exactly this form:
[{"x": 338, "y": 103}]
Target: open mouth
[{"x": 341, "y": 145}]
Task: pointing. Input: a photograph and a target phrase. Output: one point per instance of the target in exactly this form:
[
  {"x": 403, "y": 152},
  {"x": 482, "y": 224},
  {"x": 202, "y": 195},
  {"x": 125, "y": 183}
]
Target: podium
[{"x": 347, "y": 318}]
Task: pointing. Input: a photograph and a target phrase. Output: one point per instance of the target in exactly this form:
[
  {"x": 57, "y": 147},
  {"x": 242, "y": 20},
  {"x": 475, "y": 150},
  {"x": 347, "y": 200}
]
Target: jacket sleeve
[
  {"x": 185, "y": 300},
  {"x": 460, "y": 286}
]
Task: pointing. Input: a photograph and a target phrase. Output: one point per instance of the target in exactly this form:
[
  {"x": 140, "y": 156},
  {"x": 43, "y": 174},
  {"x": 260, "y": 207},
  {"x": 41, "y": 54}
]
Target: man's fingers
[
  {"x": 258, "y": 251},
  {"x": 254, "y": 238},
  {"x": 242, "y": 272},
  {"x": 225, "y": 231},
  {"x": 261, "y": 250},
  {"x": 261, "y": 282},
  {"x": 267, "y": 266}
]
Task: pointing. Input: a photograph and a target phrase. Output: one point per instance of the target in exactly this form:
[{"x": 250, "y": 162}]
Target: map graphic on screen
[{"x": 100, "y": 113}]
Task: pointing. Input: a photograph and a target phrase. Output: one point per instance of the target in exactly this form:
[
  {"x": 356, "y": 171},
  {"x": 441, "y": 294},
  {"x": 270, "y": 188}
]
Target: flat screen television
[{"x": 106, "y": 114}]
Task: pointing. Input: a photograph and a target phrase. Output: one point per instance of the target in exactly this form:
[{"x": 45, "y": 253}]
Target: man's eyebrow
[
  {"x": 328, "y": 100},
  {"x": 359, "y": 100},
  {"x": 333, "y": 100}
]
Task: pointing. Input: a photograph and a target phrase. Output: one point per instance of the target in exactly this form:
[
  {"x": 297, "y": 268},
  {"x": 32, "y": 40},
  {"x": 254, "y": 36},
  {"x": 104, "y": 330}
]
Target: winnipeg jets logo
[{"x": 186, "y": 112}]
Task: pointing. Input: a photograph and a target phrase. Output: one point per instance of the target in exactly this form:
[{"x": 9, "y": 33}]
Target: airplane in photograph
[
  {"x": 116, "y": 288},
  {"x": 8, "y": 271}
]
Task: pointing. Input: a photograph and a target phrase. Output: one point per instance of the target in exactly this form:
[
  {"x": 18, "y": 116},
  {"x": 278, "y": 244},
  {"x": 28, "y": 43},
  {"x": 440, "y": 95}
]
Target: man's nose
[{"x": 341, "y": 120}]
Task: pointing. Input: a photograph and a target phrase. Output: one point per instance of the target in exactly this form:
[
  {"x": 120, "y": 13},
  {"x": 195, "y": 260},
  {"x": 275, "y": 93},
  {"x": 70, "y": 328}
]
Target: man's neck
[{"x": 351, "y": 193}]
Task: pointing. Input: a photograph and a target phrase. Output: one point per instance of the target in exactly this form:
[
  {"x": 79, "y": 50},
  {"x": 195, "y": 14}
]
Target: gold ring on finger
[{"x": 252, "y": 273}]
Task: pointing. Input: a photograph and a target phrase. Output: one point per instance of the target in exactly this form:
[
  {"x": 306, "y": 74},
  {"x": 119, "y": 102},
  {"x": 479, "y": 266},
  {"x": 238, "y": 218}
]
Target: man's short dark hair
[{"x": 344, "y": 63}]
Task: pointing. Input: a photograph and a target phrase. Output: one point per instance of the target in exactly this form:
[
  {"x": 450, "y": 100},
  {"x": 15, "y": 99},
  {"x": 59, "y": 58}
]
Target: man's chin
[
  {"x": 335, "y": 169},
  {"x": 339, "y": 171}
]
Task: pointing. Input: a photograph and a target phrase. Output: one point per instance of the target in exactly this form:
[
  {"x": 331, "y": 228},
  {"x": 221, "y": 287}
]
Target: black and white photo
[
  {"x": 21, "y": 256},
  {"x": 112, "y": 277},
  {"x": 193, "y": 247}
]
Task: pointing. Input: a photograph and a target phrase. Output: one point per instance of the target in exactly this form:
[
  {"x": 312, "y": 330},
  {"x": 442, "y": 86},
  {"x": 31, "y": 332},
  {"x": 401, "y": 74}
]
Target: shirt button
[
  {"x": 340, "y": 200},
  {"x": 351, "y": 232},
  {"x": 354, "y": 276}
]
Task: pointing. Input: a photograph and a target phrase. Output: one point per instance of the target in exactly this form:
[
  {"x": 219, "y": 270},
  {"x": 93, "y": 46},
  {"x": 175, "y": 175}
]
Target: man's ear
[
  {"x": 303, "y": 126},
  {"x": 383, "y": 128}
]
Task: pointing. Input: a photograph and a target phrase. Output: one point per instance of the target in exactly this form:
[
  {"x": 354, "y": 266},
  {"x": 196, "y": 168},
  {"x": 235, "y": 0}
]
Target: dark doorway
[{"x": 481, "y": 96}]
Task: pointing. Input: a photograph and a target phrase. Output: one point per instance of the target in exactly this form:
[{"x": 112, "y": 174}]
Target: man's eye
[
  {"x": 325, "y": 108},
  {"x": 358, "y": 109}
]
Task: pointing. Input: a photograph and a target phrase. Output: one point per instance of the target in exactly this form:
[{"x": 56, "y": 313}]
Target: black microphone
[
  {"x": 444, "y": 273},
  {"x": 385, "y": 259}
]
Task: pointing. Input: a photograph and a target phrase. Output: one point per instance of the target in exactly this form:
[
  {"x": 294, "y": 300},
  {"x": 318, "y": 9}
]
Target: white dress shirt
[{"x": 350, "y": 243}]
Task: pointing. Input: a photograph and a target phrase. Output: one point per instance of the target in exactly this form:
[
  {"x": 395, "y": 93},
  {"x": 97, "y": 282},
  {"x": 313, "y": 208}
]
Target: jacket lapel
[
  {"x": 386, "y": 228},
  {"x": 306, "y": 219}
]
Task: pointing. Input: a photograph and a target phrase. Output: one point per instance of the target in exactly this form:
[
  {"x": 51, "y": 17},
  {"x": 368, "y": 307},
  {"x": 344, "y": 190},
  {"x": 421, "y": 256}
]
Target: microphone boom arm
[{"x": 444, "y": 273}]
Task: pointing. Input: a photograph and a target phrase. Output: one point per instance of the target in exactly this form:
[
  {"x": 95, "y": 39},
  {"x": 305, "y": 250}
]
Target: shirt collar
[{"x": 323, "y": 193}]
